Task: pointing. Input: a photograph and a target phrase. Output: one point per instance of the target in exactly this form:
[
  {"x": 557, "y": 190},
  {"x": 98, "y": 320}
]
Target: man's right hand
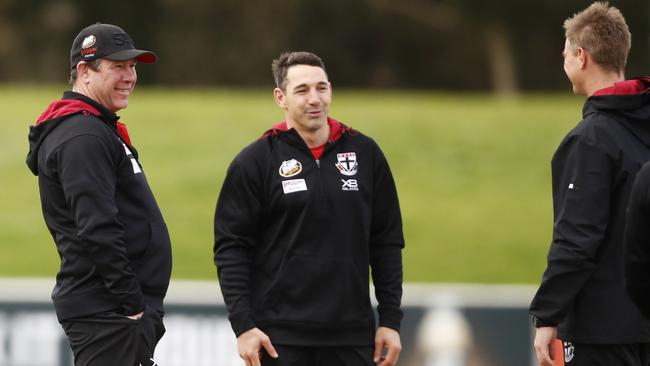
[
  {"x": 250, "y": 343},
  {"x": 545, "y": 346}
]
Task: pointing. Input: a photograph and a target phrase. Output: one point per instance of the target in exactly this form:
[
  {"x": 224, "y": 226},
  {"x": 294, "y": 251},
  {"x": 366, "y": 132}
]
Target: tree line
[{"x": 499, "y": 45}]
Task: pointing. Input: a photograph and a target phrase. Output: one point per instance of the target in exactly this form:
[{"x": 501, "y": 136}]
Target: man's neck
[
  {"x": 313, "y": 138},
  {"x": 93, "y": 102},
  {"x": 602, "y": 80},
  {"x": 77, "y": 88}
]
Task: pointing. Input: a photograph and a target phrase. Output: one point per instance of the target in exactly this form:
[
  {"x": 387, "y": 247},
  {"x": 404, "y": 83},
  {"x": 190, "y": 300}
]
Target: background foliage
[{"x": 501, "y": 45}]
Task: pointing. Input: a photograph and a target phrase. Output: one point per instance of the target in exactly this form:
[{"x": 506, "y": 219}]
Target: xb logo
[{"x": 349, "y": 185}]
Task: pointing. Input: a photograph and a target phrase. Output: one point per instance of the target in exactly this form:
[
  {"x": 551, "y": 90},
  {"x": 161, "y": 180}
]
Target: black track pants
[
  {"x": 320, "y": 356},
  {"x": 584, "y": 354},
  {"x": 109, "y": 339}
]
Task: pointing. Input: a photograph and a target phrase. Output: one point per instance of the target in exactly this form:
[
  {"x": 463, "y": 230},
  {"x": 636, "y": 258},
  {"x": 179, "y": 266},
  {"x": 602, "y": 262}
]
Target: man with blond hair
[{"x": 582, "y": 299}]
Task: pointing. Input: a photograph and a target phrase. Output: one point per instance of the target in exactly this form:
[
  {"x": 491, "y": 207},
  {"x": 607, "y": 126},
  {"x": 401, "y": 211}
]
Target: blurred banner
[{"x": 444, "y": 325}]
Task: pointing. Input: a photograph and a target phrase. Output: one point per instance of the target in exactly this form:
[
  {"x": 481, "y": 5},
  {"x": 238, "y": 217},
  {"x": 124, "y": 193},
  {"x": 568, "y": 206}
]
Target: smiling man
[
  {"x": 303, "y": 215},
  {"x": 110, "y": 235}
]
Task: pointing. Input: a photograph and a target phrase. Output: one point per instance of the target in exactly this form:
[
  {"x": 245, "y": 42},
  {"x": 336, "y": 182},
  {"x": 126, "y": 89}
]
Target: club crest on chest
[{"x": 347, "y": 163}]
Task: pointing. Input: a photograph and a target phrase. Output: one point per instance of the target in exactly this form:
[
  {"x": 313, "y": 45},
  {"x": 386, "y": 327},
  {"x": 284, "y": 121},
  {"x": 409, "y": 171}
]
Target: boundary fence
[{"x": 444, "y": 325}]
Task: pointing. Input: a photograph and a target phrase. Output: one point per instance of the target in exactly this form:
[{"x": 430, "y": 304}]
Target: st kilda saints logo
[
  {"x": 568, "y": 351},
  {"x": 347, "y": 163},
  {"x": 289, "y": 168}
]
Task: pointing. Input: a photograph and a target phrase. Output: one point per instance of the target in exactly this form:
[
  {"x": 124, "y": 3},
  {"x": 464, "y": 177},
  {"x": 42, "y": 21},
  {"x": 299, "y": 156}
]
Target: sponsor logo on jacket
[
  {"x": 294, "y": 185},
  {"x": 347, "y": 163},
  {"x": 289, "y": 168},
  {"x": 349, "y": 185}
]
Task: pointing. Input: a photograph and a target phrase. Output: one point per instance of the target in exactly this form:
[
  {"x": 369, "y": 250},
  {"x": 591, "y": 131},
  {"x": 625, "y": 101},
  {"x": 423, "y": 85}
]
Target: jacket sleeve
[
  {"x": 582, "y": 186},
  {"x": 86, "y": 167},
  {"x": 235, "y": 227},
  {"x": 637, "y": 242},
  {"x": 386, "y": 243}
]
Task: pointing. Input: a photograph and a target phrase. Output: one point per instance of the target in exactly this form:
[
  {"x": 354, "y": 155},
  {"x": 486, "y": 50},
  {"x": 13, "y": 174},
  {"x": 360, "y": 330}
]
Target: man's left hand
[
  {"x": 389, "y": 339},
  {"x": 545, "y": 346}
]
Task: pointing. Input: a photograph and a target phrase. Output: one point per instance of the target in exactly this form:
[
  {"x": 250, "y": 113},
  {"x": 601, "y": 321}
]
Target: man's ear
[
  {"x": 83, "y": 70},
  {"x": 583, "y": 57},
  {"x": 278, "y": 94}
]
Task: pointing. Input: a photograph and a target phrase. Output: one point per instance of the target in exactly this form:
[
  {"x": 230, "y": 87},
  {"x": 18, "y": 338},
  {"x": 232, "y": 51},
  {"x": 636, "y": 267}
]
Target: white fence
[{"x": 444, "y": 325}]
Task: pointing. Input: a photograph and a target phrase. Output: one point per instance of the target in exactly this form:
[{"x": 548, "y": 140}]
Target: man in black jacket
[
  {"x": 302, "y": 215},
  {"x": 582, "y": 298},
  {"x": 637, "y": 241},
  {"x": 111, "y": 237}
]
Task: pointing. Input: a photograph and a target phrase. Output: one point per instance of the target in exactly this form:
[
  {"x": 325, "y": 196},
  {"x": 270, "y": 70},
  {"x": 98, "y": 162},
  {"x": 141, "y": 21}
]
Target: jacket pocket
[
  {"x": 153, "y": 268},
  {"x": 316, "y": 290}
]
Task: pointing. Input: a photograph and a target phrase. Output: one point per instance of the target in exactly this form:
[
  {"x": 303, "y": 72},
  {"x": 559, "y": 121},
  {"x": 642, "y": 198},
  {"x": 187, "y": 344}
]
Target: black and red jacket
[
  {"x": 583, "y": 288},
  {"x": 296, "y": 237},
  {"x": 113, "y": 242}
]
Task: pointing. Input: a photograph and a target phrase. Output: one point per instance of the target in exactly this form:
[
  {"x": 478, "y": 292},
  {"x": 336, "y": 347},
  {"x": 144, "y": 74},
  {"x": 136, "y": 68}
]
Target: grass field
[{"x": 472, "y": 171}]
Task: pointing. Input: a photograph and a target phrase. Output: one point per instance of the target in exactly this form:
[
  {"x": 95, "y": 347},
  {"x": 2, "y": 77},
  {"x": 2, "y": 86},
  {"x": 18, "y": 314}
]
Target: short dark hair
[
  {"x": 94, "y": 65},
  {"x": 288, "y": 59},
  {"x": 601, "y": 29}
]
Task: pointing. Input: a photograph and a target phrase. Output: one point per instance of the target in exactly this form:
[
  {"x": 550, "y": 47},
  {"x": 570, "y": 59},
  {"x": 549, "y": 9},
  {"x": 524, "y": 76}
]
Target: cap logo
[
  {"x": 88, "y": 41},
  {"x": 120, "y": 39}
]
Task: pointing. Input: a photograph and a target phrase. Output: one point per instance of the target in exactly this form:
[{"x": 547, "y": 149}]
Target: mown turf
[{"x": 472, "y": 171}]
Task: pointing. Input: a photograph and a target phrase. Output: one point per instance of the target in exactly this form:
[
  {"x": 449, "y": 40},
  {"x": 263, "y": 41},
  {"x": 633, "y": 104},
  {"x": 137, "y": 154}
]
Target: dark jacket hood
[
  {"x": 627, "y": 102},
  {"x": 59, "y": 110}
]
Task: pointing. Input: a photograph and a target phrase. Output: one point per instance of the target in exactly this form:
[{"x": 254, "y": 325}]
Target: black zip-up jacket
[
  {"x": 637, "y": 241},
  {"x": 110, "y": 235},
  {"x": 295, "y": 236},
  {"x": 593, "y": 169}
]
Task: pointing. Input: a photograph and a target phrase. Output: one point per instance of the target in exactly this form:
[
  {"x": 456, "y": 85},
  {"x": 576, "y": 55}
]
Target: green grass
[{"x": 472, "y": 171}]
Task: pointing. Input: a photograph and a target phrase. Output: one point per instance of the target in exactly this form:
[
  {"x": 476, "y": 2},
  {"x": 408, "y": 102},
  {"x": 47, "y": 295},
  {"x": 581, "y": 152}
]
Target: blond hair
[{"x": 602, "y": 31}]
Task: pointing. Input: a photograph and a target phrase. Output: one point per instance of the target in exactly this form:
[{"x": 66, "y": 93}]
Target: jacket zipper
[{"x": 320, "y": 178}]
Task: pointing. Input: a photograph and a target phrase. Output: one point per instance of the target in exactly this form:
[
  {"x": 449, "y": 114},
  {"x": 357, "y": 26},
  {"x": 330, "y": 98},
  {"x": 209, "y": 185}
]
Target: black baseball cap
[{"x": 106, "y": 41}]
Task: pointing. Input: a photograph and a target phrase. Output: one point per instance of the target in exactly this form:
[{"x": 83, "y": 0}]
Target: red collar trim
[
  {"x": 627, "y": 87},
  {"x": 318, "y": 151},
  {"x": 336, "y": 129},
  {"x": 65, "y": 107}
]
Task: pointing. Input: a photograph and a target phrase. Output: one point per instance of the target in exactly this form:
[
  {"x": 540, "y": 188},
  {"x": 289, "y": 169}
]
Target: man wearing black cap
[{"x": 110, "y": 235}]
